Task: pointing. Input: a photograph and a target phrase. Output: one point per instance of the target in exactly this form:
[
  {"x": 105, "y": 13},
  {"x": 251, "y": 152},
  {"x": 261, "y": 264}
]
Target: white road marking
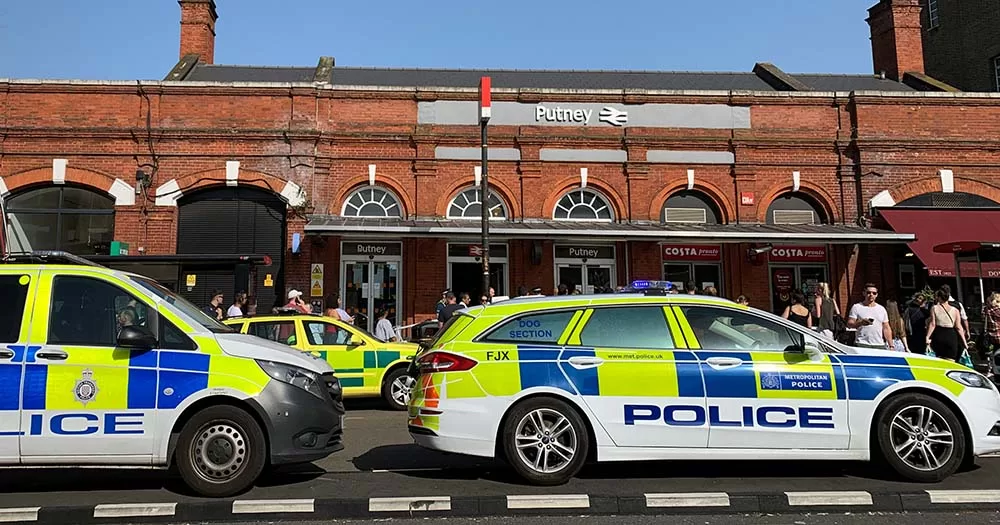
[
  {"x": 688, "y": 499},
  {"x": 964, "y": 496},
  {"x": 19, "y": 514},
  {"x": 833, "y": 497},
  {"x": 432, "y": 503},
  {"x": 132, "y": 510},
  {"x": 549, "y": 501},
  {"x": 265, "y": 506}
]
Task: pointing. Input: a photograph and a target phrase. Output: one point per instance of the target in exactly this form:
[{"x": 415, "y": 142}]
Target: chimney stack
[
  {"x": 897, "y": 41},
  {"x": 198, "y": 29}
]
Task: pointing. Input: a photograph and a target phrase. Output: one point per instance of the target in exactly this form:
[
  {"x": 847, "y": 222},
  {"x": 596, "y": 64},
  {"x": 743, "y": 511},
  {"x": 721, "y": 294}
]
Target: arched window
[
  {"x": 468, "y": 205},
  {"x": 795, "y": 208},
  {"x": 372, "y": 201},
  {"x": 583, "y": 205},
  {"x": 690, "y": 207},
  {"x": 956, "y": 199},
  {"x": 66, "y": 218}
]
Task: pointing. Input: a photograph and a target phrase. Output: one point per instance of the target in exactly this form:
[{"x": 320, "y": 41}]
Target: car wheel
[
  {"x": 921, "y": 438},
  {"x": 545, "y": 441},
  {"x": 397, "y": 388},
  {"x": 220, "y": 451}
]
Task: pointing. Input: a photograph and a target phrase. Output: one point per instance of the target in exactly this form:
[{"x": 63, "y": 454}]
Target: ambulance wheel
[
  {"x": 545, "y": 440},
  {"x": 220, "y": 451},
  {"x": 397, "y": 388},
  {"x": 921, "y": 438}
]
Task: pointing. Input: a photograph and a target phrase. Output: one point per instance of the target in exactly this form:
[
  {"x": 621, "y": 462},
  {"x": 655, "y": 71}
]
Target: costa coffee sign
[
  {"x": 691, "y": 252},
  {"x": 798, "y": 254}
]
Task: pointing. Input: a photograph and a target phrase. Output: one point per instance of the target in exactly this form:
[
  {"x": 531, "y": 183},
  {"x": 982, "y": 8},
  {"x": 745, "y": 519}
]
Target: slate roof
[
  {"x": 539, "y": 79},
  {"x": 826, "y": 233}
]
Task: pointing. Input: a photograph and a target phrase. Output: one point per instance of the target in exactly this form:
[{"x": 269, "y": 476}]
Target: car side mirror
[
  {"x": 134, "y": 337},
  {"x": 813, "y": 352}
]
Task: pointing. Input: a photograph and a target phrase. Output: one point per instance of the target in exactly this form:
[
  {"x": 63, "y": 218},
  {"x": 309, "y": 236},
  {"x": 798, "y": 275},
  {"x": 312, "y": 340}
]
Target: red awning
[{"x": 935, "y": 227}]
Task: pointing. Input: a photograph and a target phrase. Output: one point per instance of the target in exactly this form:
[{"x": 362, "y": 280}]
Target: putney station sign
[{"x": 583, "y": 116}]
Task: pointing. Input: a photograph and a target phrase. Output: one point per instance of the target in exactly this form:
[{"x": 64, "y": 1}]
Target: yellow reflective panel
[{"x": 637, "y": 373}]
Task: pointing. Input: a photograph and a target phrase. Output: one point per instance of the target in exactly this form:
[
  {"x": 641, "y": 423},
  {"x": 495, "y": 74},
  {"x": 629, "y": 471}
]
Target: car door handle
[
  {"x": 6, "y": 354},
  {"x": 724, "y": 362},
  {"x": 54, "y": 355},
  {"x": 582, "y": 361}
]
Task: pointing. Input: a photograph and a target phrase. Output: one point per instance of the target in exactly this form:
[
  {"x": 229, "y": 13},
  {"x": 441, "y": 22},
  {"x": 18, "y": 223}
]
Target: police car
[
  {"x": 551, "y": 383},
  {"x": 365, "y": 366},
  {"x": 102, "y": 367}
]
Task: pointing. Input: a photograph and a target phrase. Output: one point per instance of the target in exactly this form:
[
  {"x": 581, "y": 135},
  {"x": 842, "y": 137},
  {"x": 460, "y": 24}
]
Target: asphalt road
[{"x": 380, "y": 460}]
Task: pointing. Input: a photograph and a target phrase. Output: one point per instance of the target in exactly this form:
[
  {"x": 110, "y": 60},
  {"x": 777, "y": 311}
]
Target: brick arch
[
  {"x": 709, "y": 190},
  {"x": 825, "y": 201},
  {"x": 216, "y": 177},
  {"x": 926, "y": 185},
  {"x": 355, "y": 183},
  {"x": 42, "y": 176},
  {"x": 499, "y": 187},
  {"x": 570, "y": 183}
]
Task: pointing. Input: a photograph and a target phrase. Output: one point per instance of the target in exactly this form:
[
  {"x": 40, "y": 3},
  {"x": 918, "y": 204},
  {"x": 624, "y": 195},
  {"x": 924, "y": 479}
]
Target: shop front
[
  {"x": 586, "y": 268},
  {"x": 371, "y": 280},
  {"x": 698, "y": 263},
  {"x": 465, "y": 269},
  {"x": 796, "y": 268}
]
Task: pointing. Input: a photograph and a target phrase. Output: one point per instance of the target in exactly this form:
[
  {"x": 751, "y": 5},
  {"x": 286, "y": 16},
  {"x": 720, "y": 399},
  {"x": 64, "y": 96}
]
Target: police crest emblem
[
  {"x": 86, "y": 388},
  {"x": 770, "y": 381}
]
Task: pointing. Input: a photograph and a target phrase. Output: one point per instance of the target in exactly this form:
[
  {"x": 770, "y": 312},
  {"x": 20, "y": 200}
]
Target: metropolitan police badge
[
  {"x": 85, "y": 389},
  {"x": 770, "y": 381}
]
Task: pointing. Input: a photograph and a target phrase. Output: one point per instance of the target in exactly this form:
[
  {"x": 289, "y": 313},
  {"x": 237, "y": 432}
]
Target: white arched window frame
[
  {"x": 371, "y": 202},
  {"x": 583, "y": 205},
  {"x": 467, "y": 205}
]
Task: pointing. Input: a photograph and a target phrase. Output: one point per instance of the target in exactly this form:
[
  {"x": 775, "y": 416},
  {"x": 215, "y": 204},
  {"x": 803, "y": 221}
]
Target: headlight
[
  {"x": 295, "y": 376},
  {"x": 970, "y": 379}
]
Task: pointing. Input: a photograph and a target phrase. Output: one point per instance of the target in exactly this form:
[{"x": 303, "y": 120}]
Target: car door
[
  {"x": 81, "y": 396},
  {"x": 18, "y": 290},
  {"x": 763, "y": 391},
  {"x": 352, "y": 359},
  {"x": 632, "y": 369}
]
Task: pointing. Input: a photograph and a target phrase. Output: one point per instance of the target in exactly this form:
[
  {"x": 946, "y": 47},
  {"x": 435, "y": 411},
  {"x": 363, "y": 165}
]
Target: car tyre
[
  {"x": 921, "y": 438},
  {"x": 545, "y": 440},
  {"x": 221, "y": 451},
  {"x": 397, "y": 388}
]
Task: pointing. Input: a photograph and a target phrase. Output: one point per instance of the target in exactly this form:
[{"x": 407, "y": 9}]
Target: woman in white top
[
  {"x": 384, "y": 330},
  {"x": 239, "y": 302}
]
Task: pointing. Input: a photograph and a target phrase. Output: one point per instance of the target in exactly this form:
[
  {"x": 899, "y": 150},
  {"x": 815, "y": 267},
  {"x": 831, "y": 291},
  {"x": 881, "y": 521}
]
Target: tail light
[{"x": 444, "y": 362}]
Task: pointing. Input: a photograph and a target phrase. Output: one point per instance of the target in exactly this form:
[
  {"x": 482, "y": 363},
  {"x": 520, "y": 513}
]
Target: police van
[
  {"x": 551, "y": 383},
  {"x": 102, "y": 367}
]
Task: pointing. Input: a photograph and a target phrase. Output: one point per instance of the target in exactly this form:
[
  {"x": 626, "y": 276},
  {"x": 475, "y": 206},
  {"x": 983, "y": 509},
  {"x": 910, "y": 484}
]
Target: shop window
[
  {"x": 794, "y": 209},
  {"x": 583, "y": 205},
  {"x": 468, "y": 205},
  {"x": 627, "y": 327},
  {"x": 372, "y": 201},
  {"x": 690, "y": 207},
  {"x": 66, "y": 218}
]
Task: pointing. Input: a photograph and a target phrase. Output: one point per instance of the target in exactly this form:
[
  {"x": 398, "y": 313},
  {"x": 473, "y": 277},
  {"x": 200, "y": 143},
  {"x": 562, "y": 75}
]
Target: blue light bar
[{"x": 652, "y": 285}]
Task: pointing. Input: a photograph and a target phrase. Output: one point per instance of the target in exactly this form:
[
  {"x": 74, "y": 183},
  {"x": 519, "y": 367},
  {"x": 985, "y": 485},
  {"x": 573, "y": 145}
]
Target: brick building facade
[
  {"x": 961, "y": 41},
  {"x": 753, "y": 182}
]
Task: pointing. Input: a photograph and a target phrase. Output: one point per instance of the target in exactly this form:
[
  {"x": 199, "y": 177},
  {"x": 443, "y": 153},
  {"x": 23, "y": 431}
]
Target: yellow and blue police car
[
  {"x": 365, "y": 365},
  {"x": 103, "y": 367},
  {"x": 550, "y": 383}
]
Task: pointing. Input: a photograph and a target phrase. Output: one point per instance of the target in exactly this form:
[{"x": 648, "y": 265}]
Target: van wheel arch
[
  {"x": 498, "y": 452},
  {"x": 207, "y": 402},
  {"x": 873, "y": 447}
]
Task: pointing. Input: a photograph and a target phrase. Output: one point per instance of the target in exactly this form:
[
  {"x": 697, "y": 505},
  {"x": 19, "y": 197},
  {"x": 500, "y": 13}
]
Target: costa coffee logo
[
  {"x": 798, "y": 253},
  {"x": 691, "y": 252}
]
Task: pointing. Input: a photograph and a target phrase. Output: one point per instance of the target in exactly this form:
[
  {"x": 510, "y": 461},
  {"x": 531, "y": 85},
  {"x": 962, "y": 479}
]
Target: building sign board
[
  {"x": 692, "y": 252},
  {"x": 476, "y": 250},
  {"x": 372, "y": 248},
  {"x": 798, "y": 254},
  {"x": 316, "y": 280},
  {"x": 585, "y": 252}
]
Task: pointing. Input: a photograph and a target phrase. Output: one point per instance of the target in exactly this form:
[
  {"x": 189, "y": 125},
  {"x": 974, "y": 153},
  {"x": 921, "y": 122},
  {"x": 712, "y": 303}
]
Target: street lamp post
[{"x": 484, "y": 189}]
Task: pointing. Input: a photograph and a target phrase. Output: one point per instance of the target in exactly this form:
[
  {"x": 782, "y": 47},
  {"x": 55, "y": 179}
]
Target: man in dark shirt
[
  {"x": 214, "y": 308},
  {"x": 449, "y": 309}
]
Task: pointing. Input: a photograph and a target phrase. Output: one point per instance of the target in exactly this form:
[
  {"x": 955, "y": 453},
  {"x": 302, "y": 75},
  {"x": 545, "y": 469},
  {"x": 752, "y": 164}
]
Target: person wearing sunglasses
[{"x": 871, "y": 320}]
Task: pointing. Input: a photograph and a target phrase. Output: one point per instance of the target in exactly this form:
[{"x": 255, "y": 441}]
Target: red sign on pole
[
  {"x": 691, "y": 252},
  {"x": 746, "y": 198},
  {"x": 484, "y": 99},
  {"x": 798, "y": 254},
  {"x": 475, "y": 250}
]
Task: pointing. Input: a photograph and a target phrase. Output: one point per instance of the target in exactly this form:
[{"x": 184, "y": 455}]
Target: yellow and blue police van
[
  {"x": 548, "y": 384},
  {"x": 103, "y": 367}
]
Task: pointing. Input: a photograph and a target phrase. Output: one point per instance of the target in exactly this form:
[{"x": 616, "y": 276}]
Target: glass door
[
  {"x": 370, "y": 287},
  {"x": 598, "y": 280},
  {"x": 572, "y": 276},
  {"x": 586, "y": 278},
  {"x": 809, "y": 277}
]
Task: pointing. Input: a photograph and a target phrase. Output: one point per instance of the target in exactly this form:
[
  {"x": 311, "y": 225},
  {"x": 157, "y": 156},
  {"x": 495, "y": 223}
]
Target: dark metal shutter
[{"x": 234, "y": 221}]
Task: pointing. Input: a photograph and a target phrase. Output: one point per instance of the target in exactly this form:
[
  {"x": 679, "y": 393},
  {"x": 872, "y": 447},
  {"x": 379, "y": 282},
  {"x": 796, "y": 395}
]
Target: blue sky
[{"x": 139, "y": 39}]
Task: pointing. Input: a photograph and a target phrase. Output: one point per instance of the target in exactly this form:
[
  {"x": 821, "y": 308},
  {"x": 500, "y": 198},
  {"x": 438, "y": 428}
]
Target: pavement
[{"x": 381, "y": 473}]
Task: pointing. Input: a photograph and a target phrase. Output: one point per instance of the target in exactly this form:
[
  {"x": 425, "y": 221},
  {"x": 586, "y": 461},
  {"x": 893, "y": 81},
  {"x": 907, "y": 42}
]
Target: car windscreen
[{"x": 182, "y": 304}]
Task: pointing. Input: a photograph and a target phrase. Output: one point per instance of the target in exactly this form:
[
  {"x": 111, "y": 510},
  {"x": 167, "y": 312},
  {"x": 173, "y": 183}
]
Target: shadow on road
[{"x": 410, "y": 457}]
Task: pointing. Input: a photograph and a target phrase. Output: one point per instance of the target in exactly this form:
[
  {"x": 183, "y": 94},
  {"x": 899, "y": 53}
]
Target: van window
[
  {"x": 627, "y": 327},
  {"x": 14, "y": 290},
  {"x": 278, "y": 331},
  {"x": 90, "y": 312},
  {"x": 172, "y": 338},
  {"x": 540, "y": 328}
]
